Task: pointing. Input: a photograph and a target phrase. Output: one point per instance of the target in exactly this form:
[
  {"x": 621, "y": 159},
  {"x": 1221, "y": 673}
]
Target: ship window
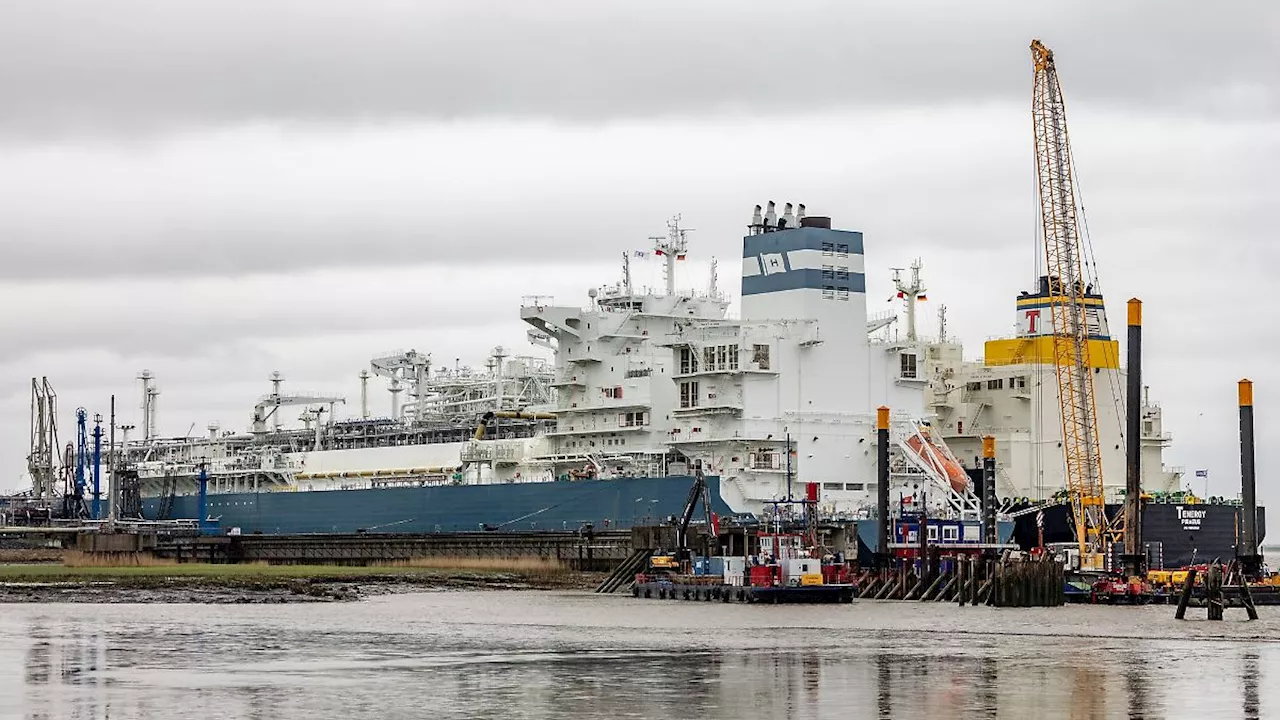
[
  {"x": 733, "y": 357},
  {"x": 1147, "y": 427},
  {"x": 996, "y": 384},
  {"x": 933, "y": 533},
  {"x": 760, "y": 356},
  {"x": 973, "y": 387},
  {"x": 1018, "y": 383},
  {"x": 689, "y": 394},
  {"x": 907, "y": 363},
  {"x": 856, "y": 486},
  {"x": 721, "y": 355},
  {"x": 686, "y": 361},
  {"x": 842, "y": 249},
  {"x": 842, "y": 274},
  {"x": 709, "y": 358},
  {"x": 828, "y": 272},
  {"x": 833, "y": 486},
  {"x": 950, "y": 533},
  {"x": 765, "y": 461},
  {"x": 842, "y": 294},
  {"x": 828, "y": 248},
  {"x": 828, "y": 292}
]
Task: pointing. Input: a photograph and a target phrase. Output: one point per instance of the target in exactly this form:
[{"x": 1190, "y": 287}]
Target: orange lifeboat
[{"x": 940, "y": 459}]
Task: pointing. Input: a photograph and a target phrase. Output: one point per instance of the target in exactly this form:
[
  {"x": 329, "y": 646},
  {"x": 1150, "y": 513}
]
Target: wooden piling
[
  {"x": 1246, "y": 597},
  {"x": 976, "y": 575},
  {"x": 1213, "y": 592},
  {"x": 937, "y": 581},
  {"x": 1185, "y": 598}
]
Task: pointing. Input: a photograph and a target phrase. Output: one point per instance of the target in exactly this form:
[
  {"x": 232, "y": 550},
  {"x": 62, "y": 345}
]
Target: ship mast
[
  {"x": 672, "y": 248},
  {"x": 910, "y": 293}
]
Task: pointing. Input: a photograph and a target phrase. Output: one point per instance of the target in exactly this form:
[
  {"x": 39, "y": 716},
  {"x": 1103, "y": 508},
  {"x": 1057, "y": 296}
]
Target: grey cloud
[
  {"x": 264, "y": 201},
  {"x": 170, "y": 320},
  {"x": 128, "y": 66}
]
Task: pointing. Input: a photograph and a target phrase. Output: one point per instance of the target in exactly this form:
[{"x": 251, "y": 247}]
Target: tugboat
[
  {"x": 784, "y": 571},
  {"x": 787, "y": 568}
]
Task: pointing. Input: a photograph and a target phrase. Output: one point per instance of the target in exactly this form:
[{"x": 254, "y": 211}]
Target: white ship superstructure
[
  {"x": 1012, "y": 394},
  {"x": 790, "y": 389},
  {"x": 613, "y": 379}
]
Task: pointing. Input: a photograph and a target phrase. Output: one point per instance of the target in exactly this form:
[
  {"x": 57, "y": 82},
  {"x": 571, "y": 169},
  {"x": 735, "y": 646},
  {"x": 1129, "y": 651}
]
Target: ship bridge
[{"x": 1034, "y": 341}]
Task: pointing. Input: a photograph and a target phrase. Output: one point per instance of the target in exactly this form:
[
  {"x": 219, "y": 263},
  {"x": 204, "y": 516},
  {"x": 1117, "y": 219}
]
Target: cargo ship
[{"x": 644, "y": 388}]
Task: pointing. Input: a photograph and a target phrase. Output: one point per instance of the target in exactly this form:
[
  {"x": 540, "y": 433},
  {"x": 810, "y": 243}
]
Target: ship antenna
[
  {"x": 626, "y": 274},
  {"x": 714, "y": 284},
  {"x": 942, "y": 323}
]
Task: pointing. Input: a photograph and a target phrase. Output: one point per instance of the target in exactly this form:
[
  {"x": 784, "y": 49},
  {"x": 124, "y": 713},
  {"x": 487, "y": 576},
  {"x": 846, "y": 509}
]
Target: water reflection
[
  {"x": 1137, "y": 691},
  {"x": 61, "y": 669},
  {"x": 1250, "y": 669},
  {"x": 538, "y": 656}
]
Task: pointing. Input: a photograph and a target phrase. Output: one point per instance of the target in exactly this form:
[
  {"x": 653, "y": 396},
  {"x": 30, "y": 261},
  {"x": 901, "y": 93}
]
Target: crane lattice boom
[{"x": 1065, "y": 269}]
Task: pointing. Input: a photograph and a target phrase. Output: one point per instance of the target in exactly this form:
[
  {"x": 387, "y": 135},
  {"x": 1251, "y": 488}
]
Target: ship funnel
[
  {"x": 757, "y": 219},
  {"x": 771, "y": 216},
  {"x": 800, "y": 215},
  {"x": 788, "y": 218}
]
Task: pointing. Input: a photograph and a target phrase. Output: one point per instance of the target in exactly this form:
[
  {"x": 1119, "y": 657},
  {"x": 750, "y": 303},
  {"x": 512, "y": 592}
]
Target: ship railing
[{"x": 537, "y": 300}]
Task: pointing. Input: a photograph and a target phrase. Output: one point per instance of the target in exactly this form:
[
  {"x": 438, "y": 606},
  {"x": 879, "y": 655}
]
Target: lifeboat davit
[{"x": 939, "y": 459}]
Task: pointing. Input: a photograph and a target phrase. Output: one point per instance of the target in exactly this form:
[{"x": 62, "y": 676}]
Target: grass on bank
[{"x": 80, "y": 568}]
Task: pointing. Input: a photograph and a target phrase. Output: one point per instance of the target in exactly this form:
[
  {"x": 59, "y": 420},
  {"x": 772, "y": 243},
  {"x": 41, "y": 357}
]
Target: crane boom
[{"x": 1065, "y": 268}]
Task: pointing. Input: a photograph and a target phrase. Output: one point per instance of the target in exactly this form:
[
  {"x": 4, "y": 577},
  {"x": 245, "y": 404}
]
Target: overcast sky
[{"x": 216, "y": 190}]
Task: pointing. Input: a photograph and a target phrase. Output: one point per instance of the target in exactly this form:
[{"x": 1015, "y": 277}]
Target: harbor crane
[{"x": 1067, "y": 288}]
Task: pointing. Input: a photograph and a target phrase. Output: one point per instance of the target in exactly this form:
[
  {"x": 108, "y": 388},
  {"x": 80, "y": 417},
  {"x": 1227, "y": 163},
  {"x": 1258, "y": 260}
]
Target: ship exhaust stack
[
  {"x": 1134, "y": 555},
  {"x": 989, "y": 534},
  {"x": 1250, "y": 560},
  {"x": 882, "y": 486},
  {"x": 147, "y": 398},
  {"x": 364, "y": 394}
]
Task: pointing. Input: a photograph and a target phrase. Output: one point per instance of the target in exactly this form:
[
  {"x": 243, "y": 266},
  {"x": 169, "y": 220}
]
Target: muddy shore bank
[{"x": 223, "y": 584}]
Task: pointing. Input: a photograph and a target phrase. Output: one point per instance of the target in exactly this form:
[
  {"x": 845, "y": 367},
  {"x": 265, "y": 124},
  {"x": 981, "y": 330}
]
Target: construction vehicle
[
  {"x": 676, "y": 561},
  {"x": 1065, "y": 269}
]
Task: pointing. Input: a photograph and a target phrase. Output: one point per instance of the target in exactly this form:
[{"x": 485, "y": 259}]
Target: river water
[{"x": 497, "y": 654}]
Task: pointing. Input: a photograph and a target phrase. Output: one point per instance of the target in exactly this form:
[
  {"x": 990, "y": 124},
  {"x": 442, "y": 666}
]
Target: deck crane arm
[
  {"x": 1067, "y": 287},
  {"x": 271, "y": 404},
  {"x": 698, "y": 491}
]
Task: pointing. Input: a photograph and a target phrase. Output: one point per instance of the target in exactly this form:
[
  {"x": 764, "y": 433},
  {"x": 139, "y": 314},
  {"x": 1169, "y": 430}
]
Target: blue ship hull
[{"x": 561, "y": 505}]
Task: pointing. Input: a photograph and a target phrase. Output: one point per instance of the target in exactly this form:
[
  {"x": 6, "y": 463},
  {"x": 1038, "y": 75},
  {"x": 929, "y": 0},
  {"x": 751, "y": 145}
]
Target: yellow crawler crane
[{"x": 1065, "y": 268}]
